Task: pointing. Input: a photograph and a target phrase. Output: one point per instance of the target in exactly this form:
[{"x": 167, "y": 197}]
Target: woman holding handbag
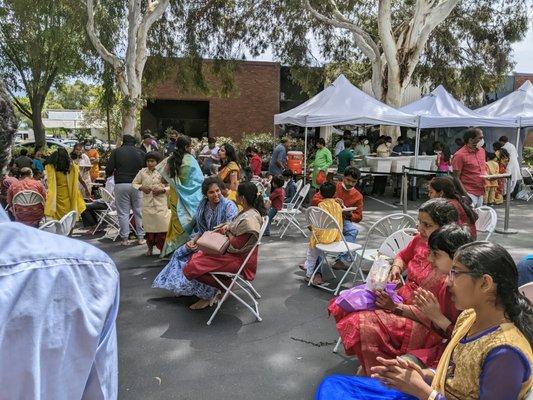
[
  {"x": 214, "y": 210},
  {"x": 242, "y": 234}
]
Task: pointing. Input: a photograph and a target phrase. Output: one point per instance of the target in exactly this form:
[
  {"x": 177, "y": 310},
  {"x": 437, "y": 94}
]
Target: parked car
[{"x": 50, "y": 143}]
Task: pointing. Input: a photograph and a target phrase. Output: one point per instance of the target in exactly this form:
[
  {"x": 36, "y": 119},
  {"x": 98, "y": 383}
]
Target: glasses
[{"x": 454, "y": 273}]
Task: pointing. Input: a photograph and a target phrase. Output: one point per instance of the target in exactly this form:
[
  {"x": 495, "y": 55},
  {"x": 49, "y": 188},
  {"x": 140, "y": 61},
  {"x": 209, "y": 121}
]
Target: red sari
[
  {"x": 379, "y": 333},
  {"x": 462, "y": 218}
]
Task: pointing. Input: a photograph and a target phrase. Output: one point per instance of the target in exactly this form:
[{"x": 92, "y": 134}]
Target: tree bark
[
  {"x": 38, "y": 126},
  {"x": 129, "y": 121}
]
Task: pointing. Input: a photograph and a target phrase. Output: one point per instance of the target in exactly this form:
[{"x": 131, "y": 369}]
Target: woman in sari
[
  {"x": 184, "y": 175},
  {"x": 243, "y": 233},
  {"x": 451, "y": 189},
  {"x": 213, "y": 211},
  {"x": 62, "y": 177},
  {"x": 321, "y": 163},
  {"x": 489, "y": 356},
  {"x": 155, "y": 212},
  {"x": 229, "y": 172},
  {"x": 393, "y": 330}
]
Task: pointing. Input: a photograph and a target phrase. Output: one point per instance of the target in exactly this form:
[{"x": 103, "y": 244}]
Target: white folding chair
[
  {"x": 487, "y": 220},
  {"x": 67, "y": 223},
  {"x": 299, "y": 184},
  {"x": 26, "y": 198},
  {"x": 51, "y": 226},
  {"x": 321, "y": 219},
  {"x": 238, "y": 282},
  {"x": 527, "y": 290},
  {"x": 109, "y": 215},
  {"x": 526, "y": 191},
  {"x": 396, "y": 242},
  {"x": 383, "y": 228},
  {"x": 288, "y": 216}
]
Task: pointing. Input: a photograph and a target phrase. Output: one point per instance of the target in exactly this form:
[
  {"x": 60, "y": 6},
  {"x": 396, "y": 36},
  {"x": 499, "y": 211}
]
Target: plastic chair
[
  {"x": 299, "y": 185},
  {"x": 321, "y": 219},
  {"x": 67, "y": 223},
  {"x": 51, "y": 226},
  {"x": 26, "y": 198},
  {"x": 106, "y": 215},
  {"x": 527, "y": 290},
  {"x": 383, "y": 228},
  {"x": 288, "y": 215},
  {"x": 487, "y": 220},
  {"x": 238, "y": 282},
  {"x": 526, "y": 190}
]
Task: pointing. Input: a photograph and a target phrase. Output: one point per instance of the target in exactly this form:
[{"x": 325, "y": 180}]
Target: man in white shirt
[
  {"x": 209, "y": 155},
  {"x": 513, "y": 167},
  {"x": 340, "y": 144}
]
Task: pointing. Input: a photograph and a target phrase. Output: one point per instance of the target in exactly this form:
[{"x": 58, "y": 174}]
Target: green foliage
[
  {"x": 263, "y": 142},
  {"x": 527, "y": 156},
  {"x": 71, "y": 96},
  {"x": 40, "y": 42}
]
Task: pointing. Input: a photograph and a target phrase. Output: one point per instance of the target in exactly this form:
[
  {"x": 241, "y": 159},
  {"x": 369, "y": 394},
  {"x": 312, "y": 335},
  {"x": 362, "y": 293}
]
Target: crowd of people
[{"x": 455, "y": 326}]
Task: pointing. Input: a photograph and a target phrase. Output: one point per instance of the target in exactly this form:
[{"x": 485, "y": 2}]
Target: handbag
[
  {"x": 213, "y": 243},
  {"x": 361, "y": 298},
  {"x": 320, "y": 177}
]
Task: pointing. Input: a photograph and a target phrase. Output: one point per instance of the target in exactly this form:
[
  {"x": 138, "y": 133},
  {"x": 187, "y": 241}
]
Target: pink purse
[{"x": 213, "y": 243}]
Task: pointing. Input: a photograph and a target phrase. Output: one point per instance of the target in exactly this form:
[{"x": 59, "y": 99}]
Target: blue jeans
[
  {"x": 271, "y": 214},
  {"x": 350, "y": 231}
]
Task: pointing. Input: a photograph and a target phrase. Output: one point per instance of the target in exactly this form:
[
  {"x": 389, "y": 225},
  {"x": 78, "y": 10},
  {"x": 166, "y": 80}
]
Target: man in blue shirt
[
  {"x": 278, "y": 162},
  {"x": 58, "y": 304}
]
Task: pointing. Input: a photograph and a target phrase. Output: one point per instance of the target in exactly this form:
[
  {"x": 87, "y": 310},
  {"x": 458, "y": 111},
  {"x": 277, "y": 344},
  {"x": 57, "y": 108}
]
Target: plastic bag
[
  {"x": 378, "y": 274},
  {"x": 361, "y": 298}
]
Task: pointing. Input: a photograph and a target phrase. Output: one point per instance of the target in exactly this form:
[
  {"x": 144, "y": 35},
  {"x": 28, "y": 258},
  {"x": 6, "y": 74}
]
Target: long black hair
[
  {"x": 212, "y": 180},
  {"x": 60, "y": 159},
  {"x": 249, "y": 191},
  {"x": 231, "y": 155},
  {"x": 449, "y": 238},
  {"x": 440, "y": 211},
  {"x": 452, "y": 190},
  {"x": 176, "y": 158},
  {"x": 485, "y": 258}
]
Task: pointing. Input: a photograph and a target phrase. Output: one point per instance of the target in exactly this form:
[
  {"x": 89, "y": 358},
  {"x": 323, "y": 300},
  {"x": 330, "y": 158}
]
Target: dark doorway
[{"x": 185, "y": 116}]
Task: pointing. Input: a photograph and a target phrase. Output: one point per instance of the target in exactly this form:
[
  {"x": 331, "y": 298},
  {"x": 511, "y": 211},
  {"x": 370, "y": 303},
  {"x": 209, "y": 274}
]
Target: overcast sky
[{"x": 523, "y": 54}]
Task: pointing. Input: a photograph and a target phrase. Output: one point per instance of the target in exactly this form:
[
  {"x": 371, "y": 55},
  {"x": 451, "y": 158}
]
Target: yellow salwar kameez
[{"x": 63, "y": 193}]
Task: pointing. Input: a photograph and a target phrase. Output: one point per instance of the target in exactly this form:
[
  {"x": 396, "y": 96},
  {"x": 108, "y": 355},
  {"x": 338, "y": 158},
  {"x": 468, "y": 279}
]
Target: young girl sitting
[
  {"x": 276, "y": 197},
  {"x": 323, "y": 236},
  {"x": 489, "y": 355}
]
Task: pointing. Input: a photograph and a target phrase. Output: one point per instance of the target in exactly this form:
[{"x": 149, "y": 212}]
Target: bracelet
[
  {"x": 433, "y": 395},
  {"x": 398, "y": 311}
]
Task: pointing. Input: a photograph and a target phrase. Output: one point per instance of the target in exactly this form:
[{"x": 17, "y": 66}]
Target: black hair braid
[
  {"x": 253, "y": 197},
  {"x": 176, "y": 158}
]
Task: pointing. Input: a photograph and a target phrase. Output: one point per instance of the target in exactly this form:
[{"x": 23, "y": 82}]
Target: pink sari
[{"x": 379, "y": 333}]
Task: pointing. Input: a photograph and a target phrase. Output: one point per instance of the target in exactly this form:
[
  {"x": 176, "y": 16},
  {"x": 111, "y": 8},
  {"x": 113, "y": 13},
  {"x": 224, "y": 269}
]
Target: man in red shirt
[
  {"x": 469, "y": 165},
  {"x": 348, "y": 196}
]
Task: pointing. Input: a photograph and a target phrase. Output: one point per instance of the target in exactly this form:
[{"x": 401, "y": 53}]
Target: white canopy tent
[
  {"x": 518, "y": 105},
  {"x": 439, "y": 109},
  {"x": 341, "y": 103}
]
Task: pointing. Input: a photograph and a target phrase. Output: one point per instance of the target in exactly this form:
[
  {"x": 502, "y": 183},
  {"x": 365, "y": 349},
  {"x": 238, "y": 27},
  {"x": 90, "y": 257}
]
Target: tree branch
[
  {"x": 93, "y": 36},
  {"x": 21, "y": 107},
  {"x": 387, "y": 39}
]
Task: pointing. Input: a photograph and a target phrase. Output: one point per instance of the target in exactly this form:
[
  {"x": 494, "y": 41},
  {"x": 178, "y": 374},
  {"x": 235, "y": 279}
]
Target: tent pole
[
  {"x": 305, "y": 155},
  {"x": 518, "y": 132},
  {"x": 417, "y": 147}
]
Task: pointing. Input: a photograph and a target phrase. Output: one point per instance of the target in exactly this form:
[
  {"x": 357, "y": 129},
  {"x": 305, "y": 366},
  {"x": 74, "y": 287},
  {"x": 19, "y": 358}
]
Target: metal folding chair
[
  {"x": 51, "y": 226},
  {"x": 299, "y": 185},
  {"x": 66, "y": 224},
  {"x": 390, "y": 247},
  {"x": 288, "y": 216},
  {"x": 383, "y": 228},
  {"x": 527, "y": 290},
  {"x": 238, "y": 282},
  {"x": 108, "y": 215},
  {"x": 26, "y": 198},
  {"x": 487, "y": 221},
  {"x": 526, "y": 190},
  {"x": 321, "y": 219}
]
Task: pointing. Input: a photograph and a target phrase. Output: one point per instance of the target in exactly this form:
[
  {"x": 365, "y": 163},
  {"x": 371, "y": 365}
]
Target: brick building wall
[
  {"x": 519, "y": 79},
  {"x": 249, "y": 109}
]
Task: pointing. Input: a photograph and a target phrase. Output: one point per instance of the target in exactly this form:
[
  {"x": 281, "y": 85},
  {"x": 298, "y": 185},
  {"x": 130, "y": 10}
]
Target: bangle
[
  {"x": 433, "y": 395},
  {"x": 398, "y": 311}
]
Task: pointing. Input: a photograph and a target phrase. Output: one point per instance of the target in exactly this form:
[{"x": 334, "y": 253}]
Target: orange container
[{"x": 295, "y": 161}]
